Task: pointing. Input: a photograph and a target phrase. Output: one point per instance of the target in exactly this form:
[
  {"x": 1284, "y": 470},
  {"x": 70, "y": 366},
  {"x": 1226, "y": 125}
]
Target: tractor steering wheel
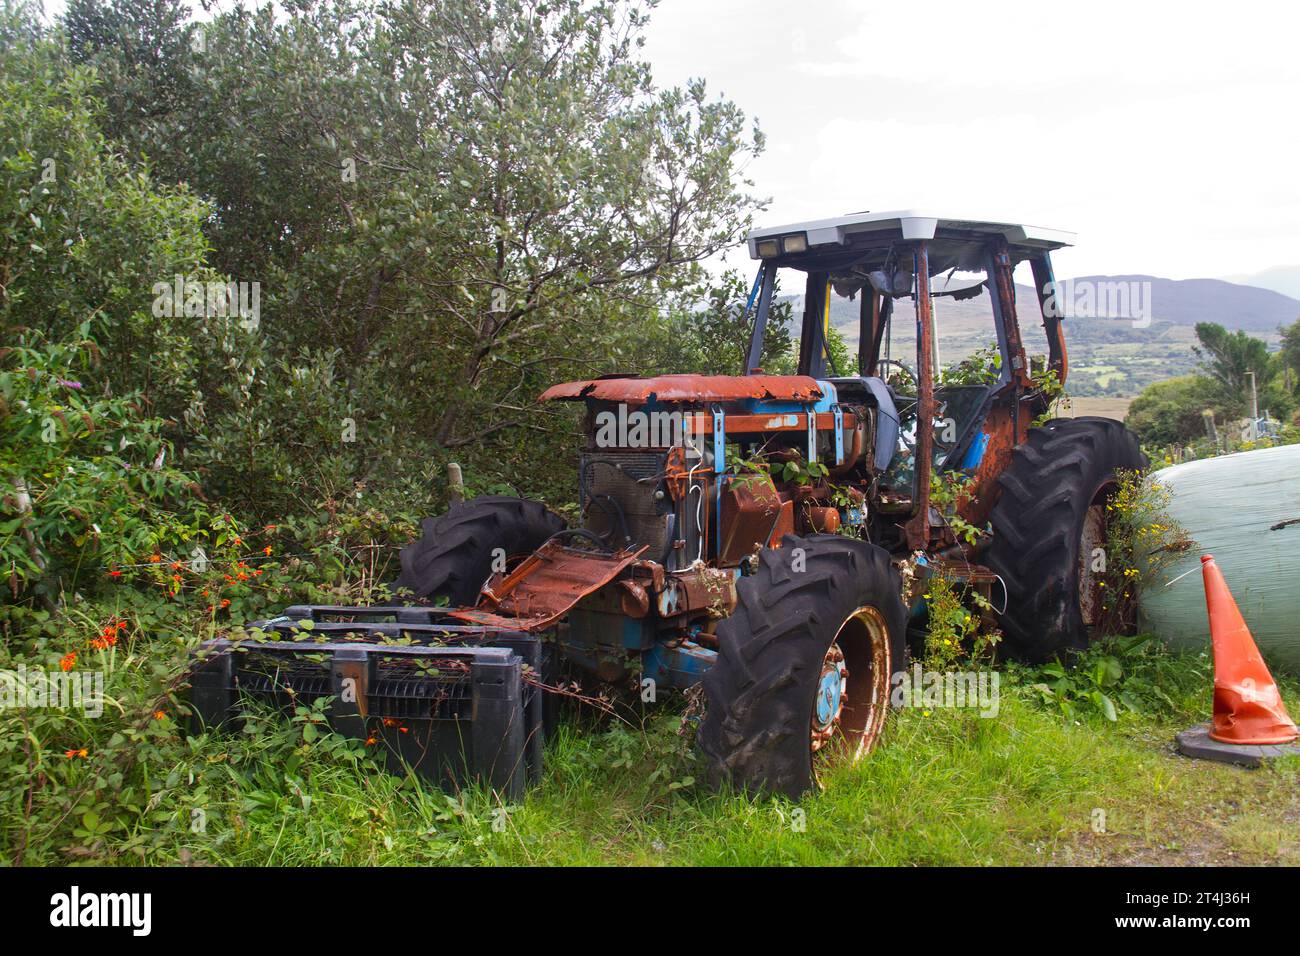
[{"x": 903, "y": 368}]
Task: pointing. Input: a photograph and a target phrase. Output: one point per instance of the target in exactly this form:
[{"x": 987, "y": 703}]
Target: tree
[
  {"x": 447, "y": 206},
  {"x": 1228, "y": 358},
  {"x": 85, "y": 237},
  {"x": 713, "y": 338},
  {"x": 92, "y": 382},
  {"x": 1290, "y": 356},
  {"x": 143, "y": 53},
  {"x": 1173, "y": 410}
]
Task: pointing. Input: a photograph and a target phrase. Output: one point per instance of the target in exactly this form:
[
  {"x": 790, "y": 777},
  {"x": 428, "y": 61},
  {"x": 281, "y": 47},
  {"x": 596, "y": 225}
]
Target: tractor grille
[{"x": 622, "y": 484}]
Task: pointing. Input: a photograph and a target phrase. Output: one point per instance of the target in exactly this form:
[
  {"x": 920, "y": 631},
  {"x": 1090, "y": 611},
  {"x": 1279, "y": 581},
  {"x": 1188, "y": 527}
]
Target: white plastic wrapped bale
[{"x": 1245, "y": 510}]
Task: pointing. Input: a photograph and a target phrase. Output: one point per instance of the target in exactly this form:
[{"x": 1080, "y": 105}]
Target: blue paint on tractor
[
  {"x": 761, "y": 406},
  {"x": 828, "y": 697},
  {"x": 677, "y": 666},
  {"x": 976, "y": 453}
]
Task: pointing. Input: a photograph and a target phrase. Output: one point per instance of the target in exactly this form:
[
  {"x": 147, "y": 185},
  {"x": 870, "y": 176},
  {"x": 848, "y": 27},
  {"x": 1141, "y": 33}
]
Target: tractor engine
[{"x": 708, "y": 484}]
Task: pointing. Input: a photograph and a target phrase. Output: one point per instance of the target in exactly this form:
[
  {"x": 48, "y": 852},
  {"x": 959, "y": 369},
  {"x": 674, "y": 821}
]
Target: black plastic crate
[{"x": 455, "y": 703}]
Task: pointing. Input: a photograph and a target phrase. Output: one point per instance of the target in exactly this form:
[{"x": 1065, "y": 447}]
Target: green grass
[{"x": 949, "y": 788}]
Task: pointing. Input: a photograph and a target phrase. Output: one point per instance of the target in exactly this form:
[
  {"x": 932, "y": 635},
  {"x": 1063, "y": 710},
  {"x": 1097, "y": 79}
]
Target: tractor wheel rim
[
  {"x": 852, "y": 699},
  {"x": 830, "y": 693},
  {"x": 1092, "y": 544}
]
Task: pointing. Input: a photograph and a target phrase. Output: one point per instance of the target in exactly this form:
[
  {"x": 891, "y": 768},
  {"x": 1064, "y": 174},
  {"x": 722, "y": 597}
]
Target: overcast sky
[{"x": 1164, "y": 134}]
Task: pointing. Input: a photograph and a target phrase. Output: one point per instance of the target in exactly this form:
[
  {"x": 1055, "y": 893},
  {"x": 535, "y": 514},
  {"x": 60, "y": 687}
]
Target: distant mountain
[
  {"x": 1234, "y": 306},
  {"x": 1284, "y": 279}
]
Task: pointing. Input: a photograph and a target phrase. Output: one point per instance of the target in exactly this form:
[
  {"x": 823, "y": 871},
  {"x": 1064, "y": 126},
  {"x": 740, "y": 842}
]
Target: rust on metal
[
  {"x": 784, "y": 524},
  {"x": 821, "y": 520},
  {"x": 634, "y": 601},
  {"x": 750, "y": 508},
  {"x": 545, "y": 586},
  {"x": 1005, "y": 290},
  {"x": 1000, "y": 426},
  {"x": 1049, "y": 304},
  {"x": 698, "y": 589},
  {"x": 358, "y": 672},
  {"x": 918, "y": 529},
  {"x": 1092, "y": 600},
  {"x": 700, "y": 423},
  {"x": 689, "y": 388}
]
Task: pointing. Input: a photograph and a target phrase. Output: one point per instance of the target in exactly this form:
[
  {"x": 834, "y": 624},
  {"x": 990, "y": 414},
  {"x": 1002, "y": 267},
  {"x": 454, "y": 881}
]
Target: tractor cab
[
  {"x": 877, "y": 259},
  {"x": 861, "y": 424}
]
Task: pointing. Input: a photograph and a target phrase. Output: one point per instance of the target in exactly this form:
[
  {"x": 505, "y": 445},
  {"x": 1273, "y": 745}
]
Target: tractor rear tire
[
  {"x": 1049, "y": 517},
  {"x": 759, "y": 724},
  {"x": 453, "y": 557}
]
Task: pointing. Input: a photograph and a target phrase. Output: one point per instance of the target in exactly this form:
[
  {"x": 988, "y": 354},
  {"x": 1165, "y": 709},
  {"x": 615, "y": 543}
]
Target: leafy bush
[
  {"x": 86, "y": 480},
  {"x": 1133, "y": 675}
]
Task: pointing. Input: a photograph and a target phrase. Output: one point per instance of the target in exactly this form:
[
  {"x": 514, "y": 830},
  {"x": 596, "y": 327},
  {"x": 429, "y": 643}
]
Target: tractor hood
[{"x": 689, "y": 389}]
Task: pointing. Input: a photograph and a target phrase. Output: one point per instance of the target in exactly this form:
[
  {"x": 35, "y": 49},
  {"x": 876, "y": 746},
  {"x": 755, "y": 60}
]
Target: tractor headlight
[
  {"x": 768, "y": 248},
  {"x": 795, "y": 243}
]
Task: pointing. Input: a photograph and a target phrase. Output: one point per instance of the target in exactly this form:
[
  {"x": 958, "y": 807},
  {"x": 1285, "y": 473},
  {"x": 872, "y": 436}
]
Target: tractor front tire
[
  {"x": 453, "y": 557},
  {"x": 1049, "y": 520},
  {"x": 814, "y": 604}
]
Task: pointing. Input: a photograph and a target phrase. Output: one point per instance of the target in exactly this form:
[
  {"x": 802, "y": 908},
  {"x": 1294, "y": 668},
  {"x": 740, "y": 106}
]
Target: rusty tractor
[{"x": 750, "y": 532}]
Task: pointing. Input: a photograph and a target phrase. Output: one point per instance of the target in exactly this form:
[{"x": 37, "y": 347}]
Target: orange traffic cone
[{"x": 1247, "y": 706}]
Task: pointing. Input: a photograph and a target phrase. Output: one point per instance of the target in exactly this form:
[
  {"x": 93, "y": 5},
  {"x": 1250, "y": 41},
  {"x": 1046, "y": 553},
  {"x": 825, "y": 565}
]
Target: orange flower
[
  {"x": 155, "y": 558},
  {"x": 239, "y": 541},
  {"x": 269, "y": 527},
  {"x": 69, "y": 661},
  {"x": 114, "y": 574},
  {"x": 225, "y": 602},
  {"x": 72, "y": 754},
  {"x": 267, "y": 550},
  {"x": 371, "y": 741},
  {"x": 121, "y": 625},
  {"x": 159, "y": 714},
  {"x": 176, "y": 565}
]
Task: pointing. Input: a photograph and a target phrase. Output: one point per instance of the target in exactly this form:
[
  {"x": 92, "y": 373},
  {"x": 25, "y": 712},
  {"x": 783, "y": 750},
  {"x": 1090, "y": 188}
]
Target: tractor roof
[{"x": 865, "y": 238}]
